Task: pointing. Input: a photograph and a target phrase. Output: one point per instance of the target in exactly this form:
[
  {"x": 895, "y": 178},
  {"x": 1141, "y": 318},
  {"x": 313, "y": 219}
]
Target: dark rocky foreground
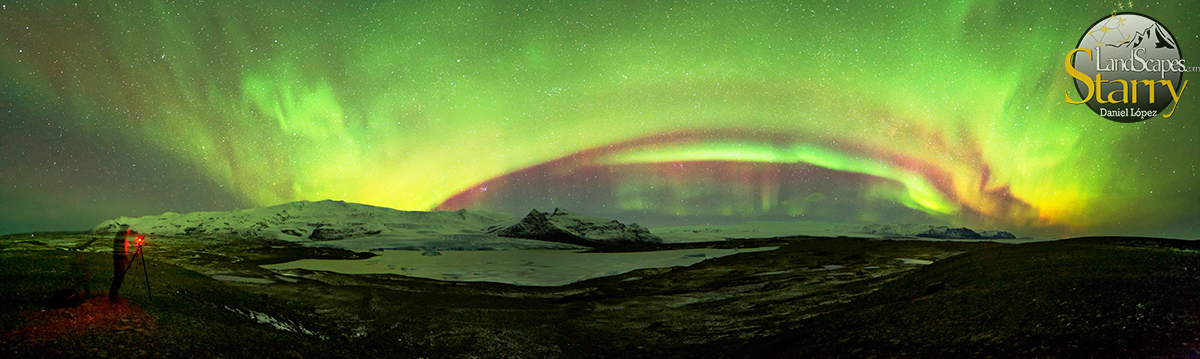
[{"x": 812, "y": 298}]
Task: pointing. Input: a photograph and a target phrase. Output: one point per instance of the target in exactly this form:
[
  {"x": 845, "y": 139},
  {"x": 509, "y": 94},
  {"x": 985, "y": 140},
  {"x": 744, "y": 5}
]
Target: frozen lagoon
[{"x": 531, "y": 267}]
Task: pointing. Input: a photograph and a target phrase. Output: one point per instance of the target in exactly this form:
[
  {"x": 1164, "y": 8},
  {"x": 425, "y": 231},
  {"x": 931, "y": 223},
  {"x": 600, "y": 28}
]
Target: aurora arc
[{"x": 407, "y": 105}]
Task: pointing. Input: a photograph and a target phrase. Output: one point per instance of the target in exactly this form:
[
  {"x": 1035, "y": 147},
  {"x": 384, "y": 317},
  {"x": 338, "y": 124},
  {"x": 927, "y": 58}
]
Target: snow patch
[
  {"x": 267, "y": 319},
  {"x": 232, "y": 278},
  {"x": 913, "y": 261}
]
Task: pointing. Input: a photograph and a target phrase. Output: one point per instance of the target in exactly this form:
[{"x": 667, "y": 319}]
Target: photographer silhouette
[{"x": 120, "y": 260}]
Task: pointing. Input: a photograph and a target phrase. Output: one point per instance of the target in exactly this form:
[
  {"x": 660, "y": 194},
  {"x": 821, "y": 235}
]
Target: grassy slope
[
  {"x": 1097, "y": 297},
  {"x": 187, "y": 318}
]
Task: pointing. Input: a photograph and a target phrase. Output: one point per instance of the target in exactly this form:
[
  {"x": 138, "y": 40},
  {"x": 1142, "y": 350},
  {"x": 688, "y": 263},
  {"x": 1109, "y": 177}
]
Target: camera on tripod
[{"x": 122, "y": 262}]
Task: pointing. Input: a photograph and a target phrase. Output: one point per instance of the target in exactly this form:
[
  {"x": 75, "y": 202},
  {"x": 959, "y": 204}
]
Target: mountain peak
[{"x": 573, "y": 228}]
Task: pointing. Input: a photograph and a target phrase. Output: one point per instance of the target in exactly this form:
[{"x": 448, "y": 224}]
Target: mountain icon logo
[
  {"x": 1127, "y": 68},
  {"x": 1152, "y": 36}
]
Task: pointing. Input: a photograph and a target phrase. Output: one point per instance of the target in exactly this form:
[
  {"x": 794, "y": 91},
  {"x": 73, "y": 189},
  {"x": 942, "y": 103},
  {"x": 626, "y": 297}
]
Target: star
[{"x": 1120, "y": 21}]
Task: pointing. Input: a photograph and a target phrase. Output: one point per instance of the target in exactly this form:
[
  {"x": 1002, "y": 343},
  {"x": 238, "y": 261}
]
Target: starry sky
[{"x": 660, "y": 112}]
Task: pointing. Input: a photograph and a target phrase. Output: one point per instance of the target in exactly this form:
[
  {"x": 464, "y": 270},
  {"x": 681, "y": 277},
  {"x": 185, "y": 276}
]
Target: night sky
[{"x": 654, "y": 112}]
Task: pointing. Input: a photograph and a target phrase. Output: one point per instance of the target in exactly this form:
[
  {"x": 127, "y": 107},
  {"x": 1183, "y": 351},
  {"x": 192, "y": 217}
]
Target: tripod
[{"x": 145, "y": 271}]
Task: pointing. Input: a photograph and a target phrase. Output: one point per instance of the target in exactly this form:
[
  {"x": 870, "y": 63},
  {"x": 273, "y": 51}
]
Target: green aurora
[{"x": 948, "y": 112}]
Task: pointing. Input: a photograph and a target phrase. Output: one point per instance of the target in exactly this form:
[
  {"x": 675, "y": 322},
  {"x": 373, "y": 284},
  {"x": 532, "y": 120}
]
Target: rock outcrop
[
  {"x": 928, "y": 231},
  {"x": 568, "y": 227}
]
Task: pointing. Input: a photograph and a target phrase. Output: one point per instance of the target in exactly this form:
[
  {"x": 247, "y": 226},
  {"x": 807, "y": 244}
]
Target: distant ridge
[
  {"x": 929, "y": 231},
  {"x": 305, "y": 221},
  {"x": 364, "y": 227}
]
